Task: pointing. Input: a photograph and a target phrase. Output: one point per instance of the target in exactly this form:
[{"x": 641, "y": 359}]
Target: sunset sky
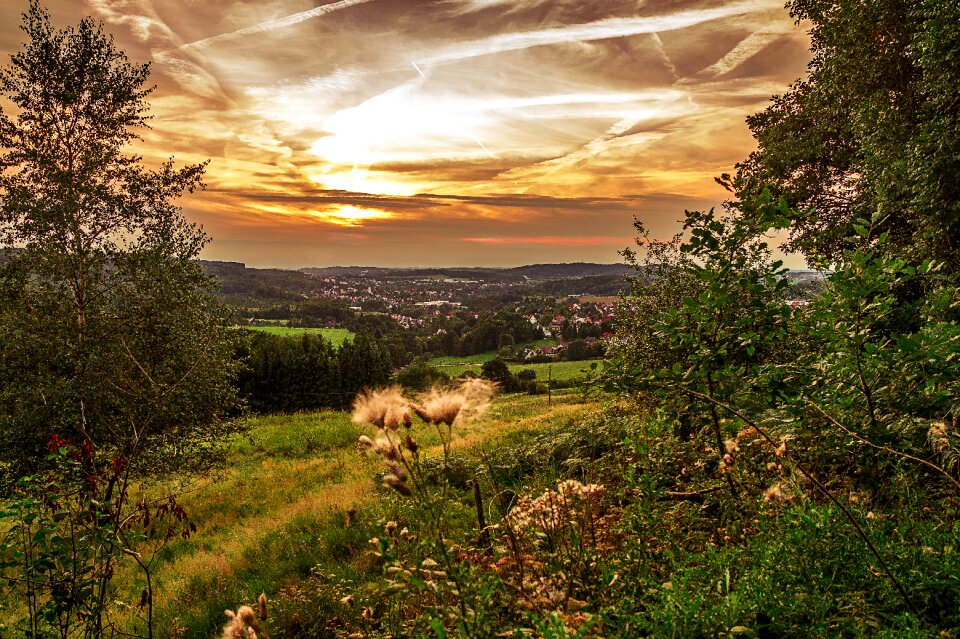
[{"x": 446, "y": 132}]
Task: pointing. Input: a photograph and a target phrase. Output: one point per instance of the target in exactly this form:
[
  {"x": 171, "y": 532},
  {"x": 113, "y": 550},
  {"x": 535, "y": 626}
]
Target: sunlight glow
[{"x": 352, "y": 215}]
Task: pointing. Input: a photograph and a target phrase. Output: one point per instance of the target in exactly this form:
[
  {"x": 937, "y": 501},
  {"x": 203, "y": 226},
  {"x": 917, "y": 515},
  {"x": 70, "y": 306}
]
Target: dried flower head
[
  {"x": 731, "y": 446},
  {"x": 726, "y": 464},
  {"x": 782, "y": 448},
  {"x": 397, "y": 470},
  {"x": 386, "y": 408},
  {"x": 244, "y": 624},
  {"x": 468, "y": 401},
  {"x": 937, "y": 436},
  {"x": 385, "y": 448},
  {"x": 778, "y": 493},
  {"x": 412, "y": 444},
  {"x": 364, "y": 444},
  {"x": 392, "y": 481}
]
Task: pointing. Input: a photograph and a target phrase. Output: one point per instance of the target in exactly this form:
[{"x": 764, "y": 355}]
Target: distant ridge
[{"x": 531, "y": 271}]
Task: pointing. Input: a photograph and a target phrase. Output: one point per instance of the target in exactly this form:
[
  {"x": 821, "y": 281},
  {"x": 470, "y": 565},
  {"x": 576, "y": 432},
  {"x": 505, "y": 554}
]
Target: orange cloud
[
  {"x": 412, "y": 131},
  {"x": 550, "y": 240}
]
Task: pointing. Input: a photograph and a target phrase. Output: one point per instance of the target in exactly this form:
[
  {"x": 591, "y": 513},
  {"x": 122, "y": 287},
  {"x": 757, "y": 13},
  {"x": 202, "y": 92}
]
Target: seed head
[
  {"x": 392, "y": 481},
  {"x": 386, "y": 408}
]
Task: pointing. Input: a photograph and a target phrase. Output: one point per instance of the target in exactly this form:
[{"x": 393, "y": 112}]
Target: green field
[
  {"x": 559, "y": 371},
  {"x": 275, "y": 514},
  {"x": 480, "y": 358},
  {"x": 335, "y": 336},
  {"x": 462, "y": 360}
]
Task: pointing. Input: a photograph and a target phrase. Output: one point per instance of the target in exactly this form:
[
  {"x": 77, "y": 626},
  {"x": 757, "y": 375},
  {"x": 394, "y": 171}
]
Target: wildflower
[
  {"x": 776, "y": 493},
  {"x": 364, "y": 444},
  {"x": 731, "y": 446},
  {"x": 937, "y": 435},
  {"x": 727, "y": 463},
  {"x": 244, "y": 624},
  {"x": 467, "y": 401},
  {"x": 385, "y": 448},
  {"x": 386, "y": 408},
  {"x": 398, "y": 471},
  {"x": 412, "y": 444},
  {"x": 782, "y": 448},
  {"x": 390, "y": 527},
  {"x": 392, "y": 481}
]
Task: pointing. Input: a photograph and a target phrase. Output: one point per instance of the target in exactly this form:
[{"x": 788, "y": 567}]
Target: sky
[{"x": 446, "y": 132}]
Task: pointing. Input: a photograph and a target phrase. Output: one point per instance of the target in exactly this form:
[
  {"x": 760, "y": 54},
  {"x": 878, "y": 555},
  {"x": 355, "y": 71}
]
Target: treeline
[{"x": 285, "y": 374}]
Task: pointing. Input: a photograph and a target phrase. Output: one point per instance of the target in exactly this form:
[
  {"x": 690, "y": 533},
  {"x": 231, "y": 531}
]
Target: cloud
[
  {"x": 597, "y": 30},
  {"x": 745, "y": 49},
  {"x": 529, "y": 129},
  {"x": 145, "y": 24},
  {"x": 271, "y": 25}
]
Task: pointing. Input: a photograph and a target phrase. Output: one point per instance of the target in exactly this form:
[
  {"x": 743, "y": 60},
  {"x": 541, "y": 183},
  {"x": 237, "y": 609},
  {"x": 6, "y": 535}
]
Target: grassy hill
[{"x": 275, "y": 517}]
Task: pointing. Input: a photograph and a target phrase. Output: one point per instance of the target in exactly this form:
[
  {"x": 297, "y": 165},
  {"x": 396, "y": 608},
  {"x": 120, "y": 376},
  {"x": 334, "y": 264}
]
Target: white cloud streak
[
  {"x": 143, "y": 21},
  {"x": 745, "y": 49},
  {"x": 271, "y": 25},
  {"x": 591, "y": 31}
]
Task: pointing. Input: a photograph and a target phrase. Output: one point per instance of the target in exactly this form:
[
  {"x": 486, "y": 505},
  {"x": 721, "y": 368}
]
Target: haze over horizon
[{"x": 446, "y": 132}]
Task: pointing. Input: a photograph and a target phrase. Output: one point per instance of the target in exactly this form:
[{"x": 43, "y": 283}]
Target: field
[
  {"x": 559, "y": 371},
  {"x": 276, "y": 513},
  {"x": 335, "y": 336}
]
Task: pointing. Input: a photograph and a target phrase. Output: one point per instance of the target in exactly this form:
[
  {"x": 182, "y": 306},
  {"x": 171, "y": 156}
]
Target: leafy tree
[
  {"x": 704, "y": 331},
  {"x": 109, "y": 333},
  {"x": 872, "y": 129},
  {"x": 496, "y": 370},
  {"x": 420, "y": 376}
]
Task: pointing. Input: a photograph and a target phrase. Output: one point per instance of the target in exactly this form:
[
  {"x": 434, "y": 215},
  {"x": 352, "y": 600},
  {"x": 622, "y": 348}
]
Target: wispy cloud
[
  {"x": 271, "y": 25},
  {"x": 592, "y": 31},
  {"x": 141, "y": 18},
  {"x": 745, "y": 49},
  {"x": 447, "y": 131}
]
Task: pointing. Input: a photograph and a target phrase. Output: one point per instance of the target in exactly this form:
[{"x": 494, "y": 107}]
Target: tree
[
  {"x": 109, "y": 333},
  {"x": 496, "y": 370},
  {"x": 706, "y": 312},
  {"x": 871, "y": 132}
]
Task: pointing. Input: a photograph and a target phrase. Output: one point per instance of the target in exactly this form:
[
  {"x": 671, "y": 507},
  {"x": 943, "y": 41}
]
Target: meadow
[
  {"x": 295, "y": 500},
  {"x": 335, "y": 336},
  {"x": 560, "y": 371}
]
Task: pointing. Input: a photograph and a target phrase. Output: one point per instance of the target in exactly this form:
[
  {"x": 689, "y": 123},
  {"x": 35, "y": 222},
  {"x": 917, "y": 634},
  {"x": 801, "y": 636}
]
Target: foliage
[
  {"x": 711, "y": 314},
  {"x": 496, "y": 370},
  {"x": 68, "y": 532},
  {"x": 420, "y": 376},
  {"x": 108, "y": 328},
  {"x": 286, "y": 374},
  {"x": 872, "y": 129},
  {"x": 335, "y": 336}
]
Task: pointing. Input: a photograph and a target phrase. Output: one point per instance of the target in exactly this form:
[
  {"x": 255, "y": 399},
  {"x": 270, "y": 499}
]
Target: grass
[
  {"x": 275, "y": 514},
  {"x": 479, "y": 358},
  {"x": 560, "y": 371},
  {"x": 335, "y": 336},
  {"x": 463, "y": 360}
]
